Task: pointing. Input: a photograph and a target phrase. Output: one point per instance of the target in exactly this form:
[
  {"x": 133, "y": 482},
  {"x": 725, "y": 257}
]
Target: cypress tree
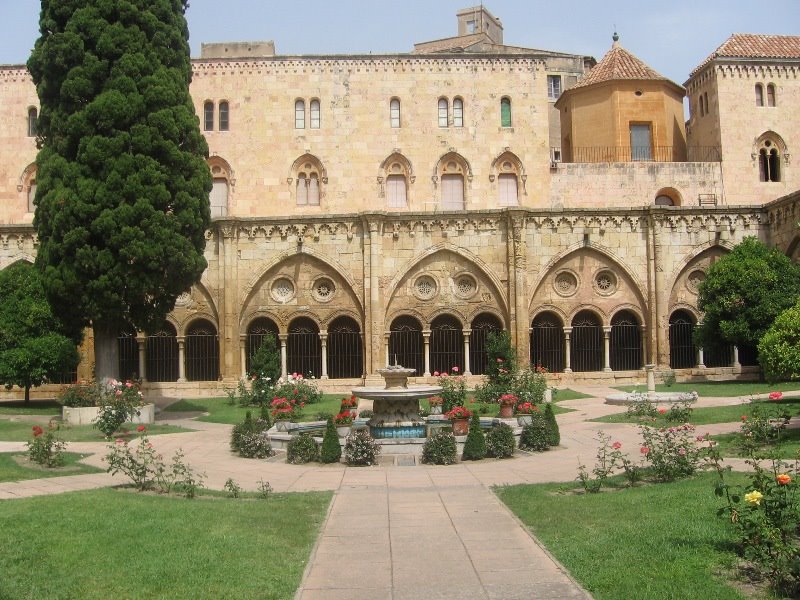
[
  {"x": 331, "y": 450},
  {"x": 553, "y": 434},
  {"x": 475, "y": 444}
]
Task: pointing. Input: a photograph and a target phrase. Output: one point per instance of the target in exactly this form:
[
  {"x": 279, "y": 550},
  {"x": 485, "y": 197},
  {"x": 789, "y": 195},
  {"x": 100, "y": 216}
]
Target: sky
[{"x": 671, "y": 36}]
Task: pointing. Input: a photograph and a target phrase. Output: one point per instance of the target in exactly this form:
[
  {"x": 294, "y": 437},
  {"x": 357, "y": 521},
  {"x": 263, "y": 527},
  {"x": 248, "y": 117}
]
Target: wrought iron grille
[
  {"x": 481, "y": 326},
  {"x": 718, "y": 356},
  {"x": 586, "y": 349},
  {"x": 406, "y": 346},
  {"x": 303, "y": 348},
  {"x": 65, "y": 377},
  {"x": 345, "y": 349},
  {"x": 625, "y": 343},
  {"x": 595, "y": 154},
  {"x": 161, "y": 352},
  {"x": 202, "y": 352},
  {"x": 447, "y": 344},
  {"x": 547, "y": 343},
  {"x": 257, "y": 331},
  {"x": 128, "y": 356},
  {"x": 682, "y": 352},
  {"x": 748, "y": 356}
]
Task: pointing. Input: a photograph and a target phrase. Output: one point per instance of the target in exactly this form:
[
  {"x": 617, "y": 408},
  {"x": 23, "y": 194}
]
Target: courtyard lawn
[
  {"x": 729, "y": 444},
  {"x": 722, "y": 389},
  {"x": 221, "y": 411},
  {"x": 568, "y": 394},
  {"x": 650, "y": 542},
  {"x": 119, "y": 544},
  {"x": 715, "y": 414},
  {"x": 43, "y": 408},
  {"x": 20, "y": 431},
  {"x": 13, "y": 470}
]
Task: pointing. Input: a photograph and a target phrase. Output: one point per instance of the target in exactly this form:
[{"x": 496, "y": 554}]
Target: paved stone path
[{"x": 403, "y": 531}]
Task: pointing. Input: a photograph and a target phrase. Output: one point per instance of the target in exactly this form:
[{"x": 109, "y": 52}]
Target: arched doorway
[
  {"x": 257, "y": 331},
  {"x": 303, "y": 348},
  {"x": 447, "y": 344},
  {"x": 161, "y": 354},
  {"x": 406, "y": 347},
  {"x": 682, "y": 351},
  {"x": 481, "y": 326},
  {"x": 625, "y": 342},
  {"x": 202, "y": 351},
  {"x": 547, "y": 342},
  {"x": 345, "y": 349},
  {"x": 128, "y": 356},
  {"x": 586, "y": 342}
]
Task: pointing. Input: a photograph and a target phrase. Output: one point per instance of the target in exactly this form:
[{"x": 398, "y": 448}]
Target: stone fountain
[{"x": 396, "y": 406}]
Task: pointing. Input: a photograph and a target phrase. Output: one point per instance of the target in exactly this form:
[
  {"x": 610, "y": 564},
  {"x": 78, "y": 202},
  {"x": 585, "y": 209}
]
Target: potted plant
[
  {"x": 435, "y": 403},
  {"x": 284, "y": 411},
  {"x": 507, "y": 404},
  {"x": 350, "y": 403},
  {"x": 343, "y": 422},
  {"x": 459, "y": 416},
  {"x": 525, "y": 412}
]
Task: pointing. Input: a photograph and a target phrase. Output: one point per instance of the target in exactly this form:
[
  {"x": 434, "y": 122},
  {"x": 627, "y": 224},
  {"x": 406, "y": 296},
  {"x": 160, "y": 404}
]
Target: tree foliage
[
  {"x": 779, "y": 349},
  {"x": 33, "y": 348},
  {"x": 744, "y": 292},
  {"x": 122, "y": 196}
]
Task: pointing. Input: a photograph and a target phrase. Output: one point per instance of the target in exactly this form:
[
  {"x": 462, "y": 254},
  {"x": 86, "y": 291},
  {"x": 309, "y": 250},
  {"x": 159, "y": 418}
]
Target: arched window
[
  {"x": 443, "y": 110},
  {"x": 700, "y": 107},
  {"x": 586, "y": 342},
  {"x": 452, "y": 170},
  {"x": 481, "y": 327},
  {"x": 396, "y": 191},
  {"x": 508, "y": 188},
  {"x": 769, "y": 162},
  {"x": 222, "y": 181},
  {"x": 667, "y": 197},
  {"x": 202, "y": 352},
  {"x": 705, "y": 101},
  {"x": 32, "y": 116},
  {"x": 771, "y": 94},
  {"x": 258, "y": 330},
  {"x": 223, "y": 116},
  {"x": 547, "y": 342},
  {"x": 394, "y": 112},
  {"x": 458, "y": 112},
  {"x": 208, "y": 116},
  {"x": 447, "y": 344},
  {"x": 406, "y": 347},
  {"x": 345, "y": 354},
  {"x": 128, "y": 359},
  {"x": 759, "y": 95},
  {"x": 625, "y": 342},
  {"x": 310, "y": 176},
  {"x": 682, "y": 352},
  {"x": 396, "y": 174},
  {"x": 302, "y": 189},
  {"x": 505, "y": 112},
  {"x": 161, "y": 352},
  {"x": 304, "y": 348},
  {"x": 508, "y": 170},
  {"x": 31, "y": 195},
  {"x": 314, "y": 110},
  {"x": 299, "y": 114},
  {"x": 663, "y": 200}
]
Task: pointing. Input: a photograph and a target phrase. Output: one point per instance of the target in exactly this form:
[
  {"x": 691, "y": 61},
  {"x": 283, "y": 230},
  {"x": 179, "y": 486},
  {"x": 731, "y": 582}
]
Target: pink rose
[
  {"x": 775, "y": 395},
  {"x": 616, "y": 445},
  {"x": 644, "y": 450},
  {"x": 455, "y": 369},
  {"x": 436, "y": 373}
]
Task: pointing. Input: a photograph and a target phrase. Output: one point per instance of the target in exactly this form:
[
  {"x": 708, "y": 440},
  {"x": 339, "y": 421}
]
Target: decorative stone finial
[{"x": 615, "y": 37}]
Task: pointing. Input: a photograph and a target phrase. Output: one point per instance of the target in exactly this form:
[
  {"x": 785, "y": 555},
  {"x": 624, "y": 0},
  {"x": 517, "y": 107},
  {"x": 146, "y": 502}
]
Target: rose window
[
  {"x": 566, "y": 283},
  {"x": 425, "y": 287},
  {"x": 282, "y": 290},
  {"x": 465, "y": 286},
  {"x": 605, "y": 283},
  {"x": 695, "y": 279},
  {"x": 324, "y": 289}
]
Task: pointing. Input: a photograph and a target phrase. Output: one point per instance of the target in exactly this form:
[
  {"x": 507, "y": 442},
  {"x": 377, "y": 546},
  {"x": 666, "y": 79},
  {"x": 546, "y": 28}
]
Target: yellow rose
[{"x": 753, "y": 497}]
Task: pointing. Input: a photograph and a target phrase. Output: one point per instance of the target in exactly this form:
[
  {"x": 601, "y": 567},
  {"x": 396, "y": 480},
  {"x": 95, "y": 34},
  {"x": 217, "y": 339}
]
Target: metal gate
[
  {"x": 586, "y": 343},
  {"x": 625, "y": 342},
  {"x": 161, "y": 355},
  {"x": 303, "y": 348},
  {"x": 547, "y": 342},
  {"x": 748, "y": 356},
  {"x": 481, "y": 326},
  {"x": 447, "y": 344},
  {"x": 128, "y": 356},
  {"x": 718, "y": 356},
  {"x": 257, "y": 331},
  {"x": 406, "y": 346},
  {"x": 202, "y": 352},
  {"x": 345, "y": 353},
  {"x": 682, "y": 351}
]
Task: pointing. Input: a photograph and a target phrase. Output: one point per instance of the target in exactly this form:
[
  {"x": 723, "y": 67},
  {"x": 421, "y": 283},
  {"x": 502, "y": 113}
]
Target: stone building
[{"x": 373, "y": 208}]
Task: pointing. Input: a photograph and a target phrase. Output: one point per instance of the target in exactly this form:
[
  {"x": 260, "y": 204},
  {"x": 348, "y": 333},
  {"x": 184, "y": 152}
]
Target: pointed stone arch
[
  {"x": 308, "y": 179},
  {"x": 395, "y": 176}
]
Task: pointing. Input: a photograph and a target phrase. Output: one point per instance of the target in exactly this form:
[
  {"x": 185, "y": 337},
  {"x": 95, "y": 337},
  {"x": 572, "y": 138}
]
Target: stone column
[
  {"x": 181, "y": 360},
  {"x": 323, "y": 339},
  {"x": 372, "y": 297},
  {"x": 229, "y": 309},
  {"x": 700, "y": 358},
  {"x": 518, "y": 284},
  {"x": 282, "y": 337},
  {"x": 567, "y": 362},
  {"x": 426, "y": 343},
  {"x": 141, "y": 341},
  {"x": 243, "y": 353},
  {"x": 656, "y": 336},
  {"x": 644, "y": 346},
  {"x": 651, "y": 381},
  {"x": 467, "y": 371},
  {"x": 386, "y": 337},
  {"x": 736, "y": 364},
  {"x": 606, "y": 348}
]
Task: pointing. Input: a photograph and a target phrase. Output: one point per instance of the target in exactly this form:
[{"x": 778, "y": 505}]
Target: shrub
[
  {"x": 265, "y": 364},
  {"x": 779, "y": 349},
  {"x": 609, "y": 459},
  {"x": 500, "y": 441},
  {"x": 671, "y": 451},
  {"x": 234, "y": 488},
  {"x": 360, "y": 448},
  {"x": 345, "y": 417},
  {"x": 249, "y": 438},
  {"x": 440, "y": 449},
  {"x": 282, "y": 408},
  {"x": 679, "y": 412},
  {"x": 639, "y": 405},
  {"x": 475, "y": 444},
  {"x": 553, "y": 434},
  {"x": 454, "y": 389},
  {"x": 535, "y": 436},
  {"x": 119, "y": 403},
  {"x": 46, "y": 448},
  {"x": 331, "y": 451},
  {"x": 366, "y": 414},
  {"x": 299, "y": 389},
  {"x": 81, "y": 395},
  {"x": 530, "y": 385},
  {"x": 302, "y": 449}
]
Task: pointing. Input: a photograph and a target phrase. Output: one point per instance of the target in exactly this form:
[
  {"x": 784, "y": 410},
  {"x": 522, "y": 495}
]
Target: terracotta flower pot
[
  {"x": 506, "y": 411},
  {"x": 460, "y": 426}
]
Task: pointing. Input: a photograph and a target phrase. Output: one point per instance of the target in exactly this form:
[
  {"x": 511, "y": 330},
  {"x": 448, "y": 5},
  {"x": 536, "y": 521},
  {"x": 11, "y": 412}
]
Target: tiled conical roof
[
  {"x": 618, "y": 64},
  {"x": 749, "y": 45}
]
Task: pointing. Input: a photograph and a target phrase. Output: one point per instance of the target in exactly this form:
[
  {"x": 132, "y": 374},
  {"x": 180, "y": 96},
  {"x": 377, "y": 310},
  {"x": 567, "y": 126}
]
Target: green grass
[
  {"x": 650, "y": 542},
  {"x": 36, "y": 407},
  {"x": 221, "y": 411},
  {"x": 11, "y": 470},
  {"x": 705, "y": 416},
  {"x": 119, "y": 544},
  {"x": 568, "y": 394},
  {"x": 723, "y": 389},
  {"x": 729, "y": 444},
  {"x": 20, "y": 431}
]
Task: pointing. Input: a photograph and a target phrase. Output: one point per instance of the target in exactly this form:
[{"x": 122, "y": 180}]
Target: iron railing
[
  {"x": 586, "y": 345},
  {"x": 406, "y": 346},
  {"x": 447, "y": 346},
  {"x": 547, "y": 344},
  {"x": 304, "y": 349},
  {"x": 345, "y": 350},
  {"x": 128, "y": 356},
  {"x": 481, "y": 328},
  {"x": 161, "y": 356},
  {"x": 625, "y": 346},
  {"x": 202, "y": 353},
  {"x": 257, "y": 332},
  {"x": 621, "y": 154},
  {"x": 682, "y": 351}
]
